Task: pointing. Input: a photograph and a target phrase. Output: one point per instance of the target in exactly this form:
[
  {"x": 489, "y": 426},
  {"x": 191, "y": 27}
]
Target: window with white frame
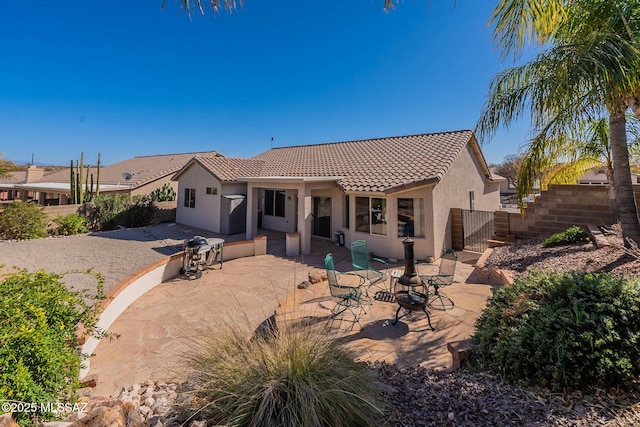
[
  {"x": 371, "y": 215},
  {"x": 274, "y": 202},
  {"x": 189, "y": 197},
  {"x": 411, "y": 218}
]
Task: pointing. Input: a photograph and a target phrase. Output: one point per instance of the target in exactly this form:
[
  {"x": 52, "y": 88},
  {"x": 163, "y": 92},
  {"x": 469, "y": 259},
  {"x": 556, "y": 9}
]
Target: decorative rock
[
  {"x": 89, "y": 381},
  {"x": 56, "y": 424},
  {"x": 160, "y": 402},
  {"x": 6, "y": 420},
  {"x": 138, "y": 404},
  {"x": 84, "y": 392},
  {"x": 304, "y": 285},
  {"x": 102, "y": 417},
  {"x": 317, "y": 275}
]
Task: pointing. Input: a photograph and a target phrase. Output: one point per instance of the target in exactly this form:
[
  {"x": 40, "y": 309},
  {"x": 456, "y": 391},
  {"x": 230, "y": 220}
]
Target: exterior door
[{"x": 322, "y": 216}]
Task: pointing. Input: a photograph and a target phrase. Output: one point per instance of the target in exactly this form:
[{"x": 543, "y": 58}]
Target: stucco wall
[
  {"x": 464, "y": 176},
  {"x": 389, "y": 246},
  {"x": 206, "y": 214}
]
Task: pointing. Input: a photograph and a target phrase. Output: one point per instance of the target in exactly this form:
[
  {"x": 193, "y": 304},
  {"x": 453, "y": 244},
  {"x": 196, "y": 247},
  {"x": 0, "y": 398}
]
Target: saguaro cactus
[{"x": 81, "y": 190}]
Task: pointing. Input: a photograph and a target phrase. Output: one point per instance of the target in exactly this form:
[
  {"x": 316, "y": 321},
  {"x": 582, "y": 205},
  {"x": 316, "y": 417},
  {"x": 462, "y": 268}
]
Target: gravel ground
[
  {"x": 422, "y": 397},
  {"x": 114, "y": 254},
  {"x": 530, "y": 254}
]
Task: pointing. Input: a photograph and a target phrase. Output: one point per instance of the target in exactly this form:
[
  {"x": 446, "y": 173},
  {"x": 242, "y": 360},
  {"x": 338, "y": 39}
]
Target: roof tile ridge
[{"x": 324, "y": 144}]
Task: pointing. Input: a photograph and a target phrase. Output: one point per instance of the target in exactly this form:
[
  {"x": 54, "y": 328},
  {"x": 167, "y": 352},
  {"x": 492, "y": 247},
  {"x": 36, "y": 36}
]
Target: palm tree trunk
[{"x": 622, "y": 176}]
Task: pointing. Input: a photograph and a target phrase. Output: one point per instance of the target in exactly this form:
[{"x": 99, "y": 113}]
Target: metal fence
[{"x": 477, "y": 228}]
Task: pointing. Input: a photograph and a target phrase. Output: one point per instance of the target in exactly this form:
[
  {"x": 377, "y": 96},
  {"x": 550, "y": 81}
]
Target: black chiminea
[{"x": 407, "y": 297}]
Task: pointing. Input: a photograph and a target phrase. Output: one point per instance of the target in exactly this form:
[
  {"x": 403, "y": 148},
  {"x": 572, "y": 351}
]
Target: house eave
[
  {"x": 431, "y": 180},
  {"x": 290, "y": 179}
]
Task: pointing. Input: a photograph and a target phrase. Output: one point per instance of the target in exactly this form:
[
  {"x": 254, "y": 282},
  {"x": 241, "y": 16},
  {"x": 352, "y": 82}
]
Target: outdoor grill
[
  {"x": 200, "y": 253},
  {"x": 407, "y": 296}
]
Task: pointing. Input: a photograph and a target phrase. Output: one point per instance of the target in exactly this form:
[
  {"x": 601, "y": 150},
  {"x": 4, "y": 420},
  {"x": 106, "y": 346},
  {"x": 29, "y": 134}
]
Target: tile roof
[
  {"x": 379, "y": 165},
  {"x": 143, "y": 169},
  {"x": 15, "y": 177},
  {"x": 226, "y": 169}
]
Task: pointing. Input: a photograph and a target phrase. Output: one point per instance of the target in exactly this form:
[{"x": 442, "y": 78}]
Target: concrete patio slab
[{"x": 158, "y": 330}]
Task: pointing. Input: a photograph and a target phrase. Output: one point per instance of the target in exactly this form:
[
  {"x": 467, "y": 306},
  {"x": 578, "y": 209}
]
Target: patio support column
[
  {"x": 252, "y": 211},
  {"x": 305, "y": 219}
]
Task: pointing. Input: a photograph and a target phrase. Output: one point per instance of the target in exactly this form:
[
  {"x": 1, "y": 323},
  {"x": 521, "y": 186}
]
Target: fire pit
[{"x": 407, "y": 296}]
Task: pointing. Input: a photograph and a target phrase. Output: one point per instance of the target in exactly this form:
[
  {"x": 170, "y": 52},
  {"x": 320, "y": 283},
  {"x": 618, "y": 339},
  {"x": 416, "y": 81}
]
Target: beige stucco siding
[
  {"x": 464, "y": 176},
  {"x": 390, "y": 245},
  {"x": 206, "y": 214}
]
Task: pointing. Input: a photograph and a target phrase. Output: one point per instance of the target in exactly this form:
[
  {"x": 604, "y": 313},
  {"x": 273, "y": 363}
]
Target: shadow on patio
[{"x": 408, "y": 343}]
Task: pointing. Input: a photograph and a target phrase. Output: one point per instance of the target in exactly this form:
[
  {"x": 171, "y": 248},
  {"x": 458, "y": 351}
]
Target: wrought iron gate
[{"x": 477, "y": 228}]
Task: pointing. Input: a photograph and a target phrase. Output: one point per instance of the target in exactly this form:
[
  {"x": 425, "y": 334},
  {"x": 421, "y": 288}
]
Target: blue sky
[{"x": 125, "y": 78}]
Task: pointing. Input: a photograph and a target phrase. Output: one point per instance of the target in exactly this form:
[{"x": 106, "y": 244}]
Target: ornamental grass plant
[{"x": 284, "y": 377}]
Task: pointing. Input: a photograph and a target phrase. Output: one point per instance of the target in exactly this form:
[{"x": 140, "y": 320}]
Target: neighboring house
[
  {"x": 136, "y": 176},
  {"x": 599, "y": 176},
  {"x": 10, "y": 183},
  {"x": 380, "y": 190}
]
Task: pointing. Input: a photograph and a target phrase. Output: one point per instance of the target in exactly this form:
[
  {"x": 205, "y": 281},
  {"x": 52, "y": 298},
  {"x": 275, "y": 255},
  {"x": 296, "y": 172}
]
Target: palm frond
[
  {"x": 215, "y": 5},
  {"x": 570, "y": 173},
  {"x": 519, "y": 23}
]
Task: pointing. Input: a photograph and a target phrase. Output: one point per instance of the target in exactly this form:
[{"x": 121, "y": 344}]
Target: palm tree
[
  {"x": 589, "y": 66},
  {"x": 218, "y": 5},
  {"x": 564, "y": 159}
]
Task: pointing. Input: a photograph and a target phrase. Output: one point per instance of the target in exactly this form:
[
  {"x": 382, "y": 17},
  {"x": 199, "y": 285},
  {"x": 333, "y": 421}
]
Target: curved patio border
[{"x": 128, "y": 290}]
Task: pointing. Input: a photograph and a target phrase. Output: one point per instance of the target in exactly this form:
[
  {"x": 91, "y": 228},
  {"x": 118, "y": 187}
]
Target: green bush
[
  {"x": 39, "y": 356},
  {"x": 22, "y": 220},
  {"x": 67, "y": 225},
  {"x": 570, "y": 236},
  {"x": 164, "y": 194},
  {"x": 291, "y": 377},
  {"x": 112, "y": 211},
  {"x": 562, "y": 331}
]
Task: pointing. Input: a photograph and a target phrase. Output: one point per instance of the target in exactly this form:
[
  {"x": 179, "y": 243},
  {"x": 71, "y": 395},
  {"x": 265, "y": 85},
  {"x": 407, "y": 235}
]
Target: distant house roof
[
  {"x": 225, "y": 169},
  {"x": 143, "y": 169},
  {"x": 378, "y": 165},
  {"x": 15, "y": 177}
]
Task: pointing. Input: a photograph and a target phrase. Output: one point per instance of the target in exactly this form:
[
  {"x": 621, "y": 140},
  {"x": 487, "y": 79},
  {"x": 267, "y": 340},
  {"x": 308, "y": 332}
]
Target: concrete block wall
[{"x": 558, "y": 208}]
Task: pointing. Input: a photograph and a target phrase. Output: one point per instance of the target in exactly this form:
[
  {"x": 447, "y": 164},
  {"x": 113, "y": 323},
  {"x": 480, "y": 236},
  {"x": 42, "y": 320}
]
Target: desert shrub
[
  {"x": 566, "y": 330},
  {"x": 69, "y": 224},
  {"x": 164, "y": 194},
  {"x": 22, "y": 220},
  {"x": 290, "y": 377},
  {"x": 112, "y": 211},
  {"x": 40, "y": 357},
  {"x": 570, "y": 236}
]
